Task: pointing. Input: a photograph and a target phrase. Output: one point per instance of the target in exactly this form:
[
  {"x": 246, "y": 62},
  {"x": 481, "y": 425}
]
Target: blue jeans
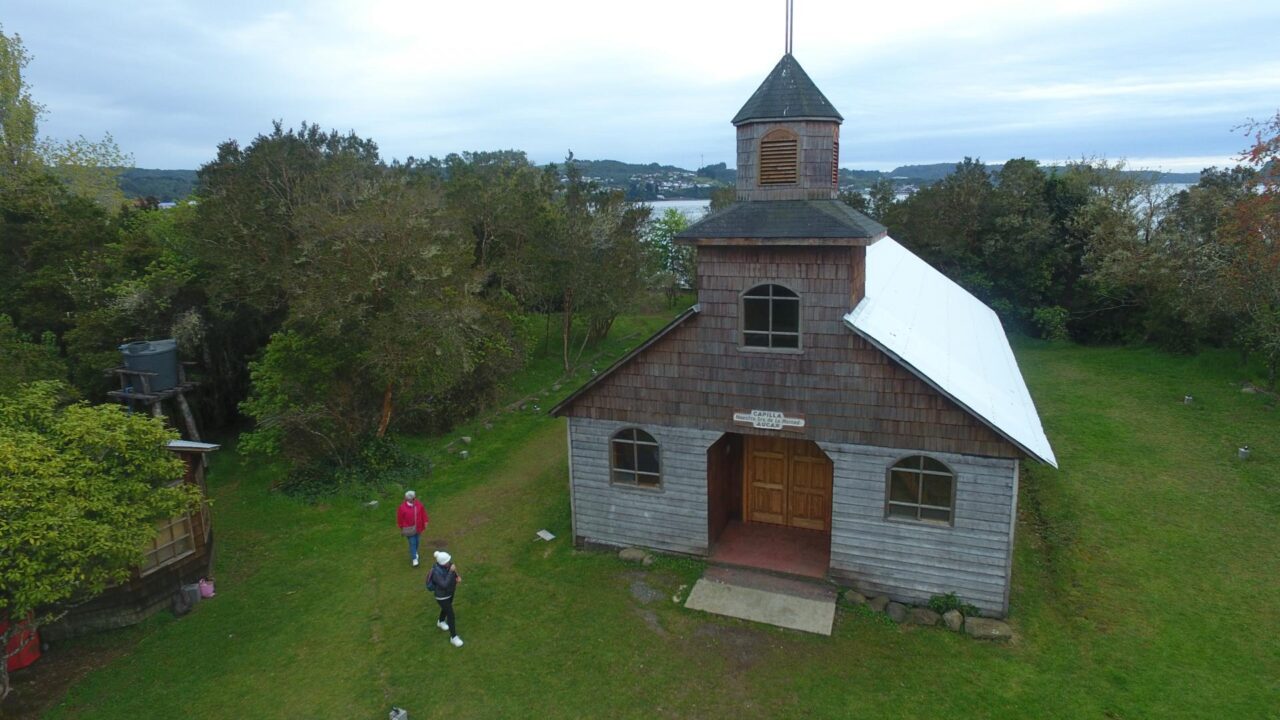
[{"x": 413, "y": 546}]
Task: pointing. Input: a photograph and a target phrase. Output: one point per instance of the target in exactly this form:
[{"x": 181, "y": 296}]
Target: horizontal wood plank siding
[
  {"x": 912, "y": 561},
  {"x": 673, "y": 518}
]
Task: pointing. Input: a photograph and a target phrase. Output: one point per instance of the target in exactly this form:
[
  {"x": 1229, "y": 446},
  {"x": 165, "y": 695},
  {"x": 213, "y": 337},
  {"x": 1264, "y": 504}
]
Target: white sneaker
[
  {"x": 455, "y": 641},
  {"x": 415, "y": 561},
  {"x": 442, "y": 625}
]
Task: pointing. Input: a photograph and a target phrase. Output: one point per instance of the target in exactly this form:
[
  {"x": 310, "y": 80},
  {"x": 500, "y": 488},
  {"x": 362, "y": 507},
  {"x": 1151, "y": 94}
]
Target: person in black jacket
[{"x": 443, "y": 582}]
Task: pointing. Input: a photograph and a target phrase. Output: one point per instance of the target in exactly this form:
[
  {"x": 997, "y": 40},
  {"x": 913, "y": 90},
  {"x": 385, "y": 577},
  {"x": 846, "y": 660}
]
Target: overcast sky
[{"x": 1162, "y": 83}]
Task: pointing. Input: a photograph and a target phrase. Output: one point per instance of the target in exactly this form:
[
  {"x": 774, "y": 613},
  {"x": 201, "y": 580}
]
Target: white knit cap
[
  {"x": 443, "y": 557},
  {"x": 409, "y": 495}
]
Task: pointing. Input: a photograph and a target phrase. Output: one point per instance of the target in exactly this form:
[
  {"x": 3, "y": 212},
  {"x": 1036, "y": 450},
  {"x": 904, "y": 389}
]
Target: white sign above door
[{"x": 768, "y": 420}]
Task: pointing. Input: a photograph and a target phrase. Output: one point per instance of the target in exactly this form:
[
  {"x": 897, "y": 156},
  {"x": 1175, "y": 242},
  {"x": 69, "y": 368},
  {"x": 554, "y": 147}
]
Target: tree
[
  {"x": 26, "y": 361},
  {"x": 18, "y": 112},
  {"x": 1018, "y": 250},
  {"x": 89, "y": 168},
  {"x": 946, "y": 224},
  {"x": 875, "y": 202},
  {"x": 594, "y": 258},
  {"x": 1251, "y": 230},
  {"x": 366, "y": 282},
  {"x": 83, "y": 488},
  {"x": 44, "y": 232},
  {"x": 722, "y": 198},
  {"x": 504, "y": 202},
  {"x": 674, "y": 263}
]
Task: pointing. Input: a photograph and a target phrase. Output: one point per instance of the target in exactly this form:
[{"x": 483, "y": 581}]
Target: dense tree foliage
[
  {"x": 1097, "y": 253},
  {"x": 673, "y": 266},
  {"x": 83, "y": 487},
  {"x": 1251, "y": 231},
  {"x": 367, "y": 281}
]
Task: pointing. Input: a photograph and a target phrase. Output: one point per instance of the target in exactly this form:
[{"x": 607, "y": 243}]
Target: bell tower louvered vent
[
  {"x": 835, "y": 159},
  {"x": 779, "y": 158},
  {"x": 788, "y": 137}
]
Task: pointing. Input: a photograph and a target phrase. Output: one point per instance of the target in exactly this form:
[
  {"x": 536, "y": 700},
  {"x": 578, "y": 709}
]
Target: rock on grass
[{"x": 988, "y": 629}]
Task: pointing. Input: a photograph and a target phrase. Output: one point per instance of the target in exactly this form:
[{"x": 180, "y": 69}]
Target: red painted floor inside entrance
[{"x": 775, "y": 548}]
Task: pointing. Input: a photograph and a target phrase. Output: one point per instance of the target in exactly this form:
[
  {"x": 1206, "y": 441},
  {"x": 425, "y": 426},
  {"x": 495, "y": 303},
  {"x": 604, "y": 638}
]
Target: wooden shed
[
  {"x": 831, "y": 406},
  {"x": 181, "y": 553}
]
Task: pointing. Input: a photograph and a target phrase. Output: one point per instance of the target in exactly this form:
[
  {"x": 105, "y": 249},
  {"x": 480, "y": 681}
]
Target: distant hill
[
  {"x": 163, "y": 185},
  {"x": 639, "y": 181},
  {"x": 926, "y": 174}
]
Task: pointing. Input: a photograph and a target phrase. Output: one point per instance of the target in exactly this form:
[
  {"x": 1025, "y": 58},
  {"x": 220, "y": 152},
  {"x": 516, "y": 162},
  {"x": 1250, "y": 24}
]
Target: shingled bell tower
[
  {"x": 788, "y": 139},
  {"x": 787, "y": 215}
]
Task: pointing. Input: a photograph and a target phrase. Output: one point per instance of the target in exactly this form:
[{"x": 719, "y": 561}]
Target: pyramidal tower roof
[{"x": 787, "y": 94}]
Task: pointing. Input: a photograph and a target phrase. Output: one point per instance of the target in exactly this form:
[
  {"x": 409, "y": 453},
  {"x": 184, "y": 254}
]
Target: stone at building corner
[
  {"x": 988, "y": 629},
  {"x": 954, "y": 620},
  {"x": 924, "y": 616},
  {"x": 896, "y": 611}
]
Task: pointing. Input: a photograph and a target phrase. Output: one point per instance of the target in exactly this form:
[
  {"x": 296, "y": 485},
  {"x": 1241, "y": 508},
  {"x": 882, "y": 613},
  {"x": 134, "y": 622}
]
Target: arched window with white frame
[
  {"x": 920, "y": 488},
  {"x": 634, "y": 459}
]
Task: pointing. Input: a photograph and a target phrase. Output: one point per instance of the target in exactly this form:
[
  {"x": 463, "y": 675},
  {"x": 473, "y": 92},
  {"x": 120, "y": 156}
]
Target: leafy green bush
[
  {"x": 942, "y": 603},
  {"x": 380, "y": 463},
  {"x": 866, "y": 613},
  {"x": 1052, "y": 322}
]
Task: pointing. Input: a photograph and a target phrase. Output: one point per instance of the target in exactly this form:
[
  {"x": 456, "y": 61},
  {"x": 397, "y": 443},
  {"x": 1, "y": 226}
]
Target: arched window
[
  {"x": 920, "y": 488},
  {"x": 634, "y": 459},
  {"x": 779, "y": 158},
  {"x": 770, "y": 318}
]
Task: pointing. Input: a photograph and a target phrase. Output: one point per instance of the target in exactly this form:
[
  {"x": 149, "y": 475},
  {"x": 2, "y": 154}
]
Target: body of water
[{"x": 693, "y": 210}]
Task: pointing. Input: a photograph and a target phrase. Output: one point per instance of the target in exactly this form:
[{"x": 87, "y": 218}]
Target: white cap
[
  {"x": 443, "y": 557},
  {"x": 409, "y": 495}
]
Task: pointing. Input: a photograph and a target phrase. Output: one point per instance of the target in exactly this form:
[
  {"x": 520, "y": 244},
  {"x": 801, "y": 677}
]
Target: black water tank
[{"x": 155, "y": 356}]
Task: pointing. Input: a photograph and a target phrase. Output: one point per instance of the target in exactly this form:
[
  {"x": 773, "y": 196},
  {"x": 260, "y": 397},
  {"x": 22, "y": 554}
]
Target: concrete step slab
[{"x": 808, "y": 610}]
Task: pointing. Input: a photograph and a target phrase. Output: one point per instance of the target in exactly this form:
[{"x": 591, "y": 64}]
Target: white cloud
[{"x": 657, "y": 81}]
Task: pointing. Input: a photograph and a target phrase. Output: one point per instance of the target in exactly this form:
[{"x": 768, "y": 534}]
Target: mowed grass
[{"x": 1145, "y": 586}]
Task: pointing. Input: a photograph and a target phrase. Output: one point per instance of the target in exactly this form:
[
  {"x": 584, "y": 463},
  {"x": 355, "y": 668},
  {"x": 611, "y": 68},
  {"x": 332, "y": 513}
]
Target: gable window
[
  {"x": 779, "y": 158},
  {"x": 634, "y": 459},
  {"x": 770, "y": 318},
  {"x": 920, "y": 488}
]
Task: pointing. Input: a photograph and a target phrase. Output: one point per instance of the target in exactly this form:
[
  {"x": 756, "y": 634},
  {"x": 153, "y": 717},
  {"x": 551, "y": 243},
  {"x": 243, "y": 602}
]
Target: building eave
[{"x": 563, "y": 405}]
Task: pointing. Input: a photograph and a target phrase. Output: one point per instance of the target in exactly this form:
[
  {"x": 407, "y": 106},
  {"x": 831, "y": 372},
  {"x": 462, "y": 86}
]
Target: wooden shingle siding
[
  {"x": 847, "y": 390},
  {"x": 816, "y": 140},
  {"x": 912, "y": 561},
  {"x": 673, "y": 518}
]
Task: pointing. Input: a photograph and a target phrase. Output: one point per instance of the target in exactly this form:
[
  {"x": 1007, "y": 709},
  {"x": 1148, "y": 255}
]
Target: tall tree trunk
[
  {"x": 581, "y": 347},
  {"x": 385, "y": 420},
  {"x": 566, "y": 327}
]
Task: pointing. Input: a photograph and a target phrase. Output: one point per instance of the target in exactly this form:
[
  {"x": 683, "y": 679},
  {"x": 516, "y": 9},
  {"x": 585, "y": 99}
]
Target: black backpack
[{"x": 441, "y": 581}]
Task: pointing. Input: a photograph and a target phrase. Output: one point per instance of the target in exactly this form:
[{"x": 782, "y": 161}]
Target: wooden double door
[{"x": 786, "y": 482}]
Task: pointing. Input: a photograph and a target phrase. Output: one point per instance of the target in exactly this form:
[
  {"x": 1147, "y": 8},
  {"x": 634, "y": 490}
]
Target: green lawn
[{"x": 1146, "y": 583}]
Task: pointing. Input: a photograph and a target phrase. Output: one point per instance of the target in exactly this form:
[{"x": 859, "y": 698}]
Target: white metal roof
[
  {"x": 950, "y": 339},
  {"x": 191, "y": 446}
]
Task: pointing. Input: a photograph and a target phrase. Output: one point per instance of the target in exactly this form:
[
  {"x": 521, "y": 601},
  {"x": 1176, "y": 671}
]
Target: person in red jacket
[{"x": 412, "y": 519}]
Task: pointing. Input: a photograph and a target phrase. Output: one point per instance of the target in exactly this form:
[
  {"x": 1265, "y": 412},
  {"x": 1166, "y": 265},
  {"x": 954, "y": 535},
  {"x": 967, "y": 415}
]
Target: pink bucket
[{"x": 206, "y": 587}]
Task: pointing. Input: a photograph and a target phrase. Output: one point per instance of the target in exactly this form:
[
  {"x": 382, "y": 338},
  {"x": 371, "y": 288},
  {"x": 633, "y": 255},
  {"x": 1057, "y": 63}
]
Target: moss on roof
[{"x": 786, "y": 94}]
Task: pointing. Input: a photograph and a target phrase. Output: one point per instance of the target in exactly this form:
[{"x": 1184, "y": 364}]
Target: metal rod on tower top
[{"x": 790, "y": 11}]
